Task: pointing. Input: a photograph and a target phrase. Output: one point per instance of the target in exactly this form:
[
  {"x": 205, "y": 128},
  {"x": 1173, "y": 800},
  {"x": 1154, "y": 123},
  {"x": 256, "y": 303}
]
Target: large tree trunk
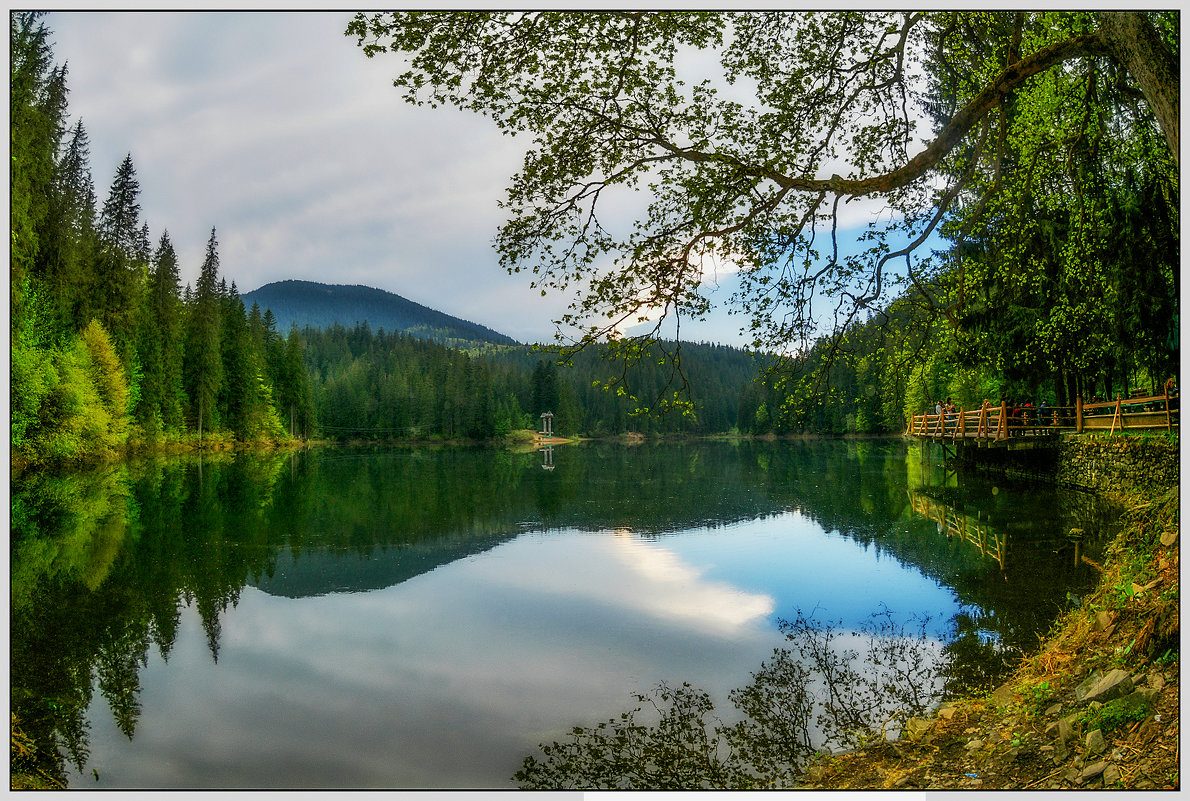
[{"x": 1134, "y": 42}]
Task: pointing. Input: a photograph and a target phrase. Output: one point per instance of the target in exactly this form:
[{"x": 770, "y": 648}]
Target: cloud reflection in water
[{"x": 445, "y": 680}]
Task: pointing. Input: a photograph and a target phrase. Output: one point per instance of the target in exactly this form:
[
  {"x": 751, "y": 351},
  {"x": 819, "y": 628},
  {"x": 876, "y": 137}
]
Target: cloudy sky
[
  {"x": 277, "y": 131},
  {"x": 274, "y": 129}
]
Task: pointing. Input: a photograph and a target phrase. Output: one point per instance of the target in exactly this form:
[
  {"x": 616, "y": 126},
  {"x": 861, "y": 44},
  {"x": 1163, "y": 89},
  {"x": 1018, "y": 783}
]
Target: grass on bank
[{"x": 1132, "y": 619}]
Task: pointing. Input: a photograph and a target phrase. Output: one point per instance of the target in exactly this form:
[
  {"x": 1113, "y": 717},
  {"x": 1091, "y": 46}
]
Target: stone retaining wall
[
  {"x": 1113, "y": 466},
  {"x": 1117, "y": 465}
]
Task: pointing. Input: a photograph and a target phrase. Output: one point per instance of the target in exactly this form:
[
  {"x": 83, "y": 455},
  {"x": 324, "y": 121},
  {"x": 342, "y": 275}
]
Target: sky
[
  {"x": 277, "y": 131},
  {"x": 274, "y": 129}
]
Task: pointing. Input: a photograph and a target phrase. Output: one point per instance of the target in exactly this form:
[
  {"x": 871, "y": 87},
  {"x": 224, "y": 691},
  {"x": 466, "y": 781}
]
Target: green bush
[
  {"x": 33, "y": 376},
  {"x": 107, "y": 373},
  {"x": 1117, "y": 713},
  {"x": 69, "y": 403}
]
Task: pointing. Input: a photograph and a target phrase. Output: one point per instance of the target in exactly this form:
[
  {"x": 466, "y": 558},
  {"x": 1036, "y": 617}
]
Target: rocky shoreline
[
  {"x": 1097, "y": 707},
  {"x": 998, "y": 743}
]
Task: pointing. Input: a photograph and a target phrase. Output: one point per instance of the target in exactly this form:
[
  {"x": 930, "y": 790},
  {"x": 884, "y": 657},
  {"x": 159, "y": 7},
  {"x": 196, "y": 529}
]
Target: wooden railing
[{"x": 1003, "y": 422}]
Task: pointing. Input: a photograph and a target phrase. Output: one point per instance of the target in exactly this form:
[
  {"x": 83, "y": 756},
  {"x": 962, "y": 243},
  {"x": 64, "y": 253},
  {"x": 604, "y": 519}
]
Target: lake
[{"x": 426, "y": 617}]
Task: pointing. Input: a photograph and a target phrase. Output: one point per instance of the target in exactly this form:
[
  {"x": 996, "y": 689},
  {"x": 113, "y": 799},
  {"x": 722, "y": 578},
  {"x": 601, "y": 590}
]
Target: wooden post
[
  {"x": 1117, "y": 417},
  {"x": 982, "y": 431},
  {"x": 1168, "y": 418},
  {"x": 1002, "y": 428},
  {"x": 962, "y": 432},
  {"x": 1078, "y": 415}
]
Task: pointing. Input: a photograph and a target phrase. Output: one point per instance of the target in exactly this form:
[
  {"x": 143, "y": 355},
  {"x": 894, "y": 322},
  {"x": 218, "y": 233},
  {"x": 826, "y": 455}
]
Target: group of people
[
  {"x": 951, "y": 415},
  {"x": 1024, "y": 417},
  {"x": 1019, "y": 416}
]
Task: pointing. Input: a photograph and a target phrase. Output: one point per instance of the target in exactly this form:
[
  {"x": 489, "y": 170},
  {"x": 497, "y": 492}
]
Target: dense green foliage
[
  {"x": 378, "y": 385},
  {"x": 1057, "y": 205},
  {"x": 107, "y": 349},
  {"x": 1061, "y": 278},
  {"x": 110, "y": 350}
]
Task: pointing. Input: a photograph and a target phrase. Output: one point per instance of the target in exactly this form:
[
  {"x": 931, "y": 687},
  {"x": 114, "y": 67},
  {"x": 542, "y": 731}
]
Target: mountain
[{"x": 308, "y": 303}]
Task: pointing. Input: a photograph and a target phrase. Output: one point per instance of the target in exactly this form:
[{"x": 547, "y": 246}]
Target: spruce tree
[
  {"x": 159, "y": 343},
  {"x": 293, "y": 387},
  {"x": 37, "y": 114},
  {"x": 117, "y": 265},
  {"x": 120, "y": 221},
  {"x": 203, "y": 359},
  {"x": 68, "y": 249},
  {"x": 235, "y": 397},
  {"x": 546, "y": 394}
]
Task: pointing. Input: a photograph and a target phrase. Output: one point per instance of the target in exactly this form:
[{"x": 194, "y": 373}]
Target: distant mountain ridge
[{"x": 317, "y": 305}]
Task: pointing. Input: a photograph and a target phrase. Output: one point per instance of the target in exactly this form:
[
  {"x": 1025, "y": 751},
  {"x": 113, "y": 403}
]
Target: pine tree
[
  {"x": 256, "y": 327},
  {"x": 292, "y": 389},
  {"x": 235, "y": 397},
  {"x": 203, "y": 358},
  {"x": 168, "y": 308},
  {"x": 37, "y": 115},
  {"x": 118, "y": 263},
  {"x": 143, "y": 250},
  {"x": 546, "y": 394},
  {"x": 159, "y": 344},
  {"x": 68, "y": 249},
  {"x": 120, "y": 220}
]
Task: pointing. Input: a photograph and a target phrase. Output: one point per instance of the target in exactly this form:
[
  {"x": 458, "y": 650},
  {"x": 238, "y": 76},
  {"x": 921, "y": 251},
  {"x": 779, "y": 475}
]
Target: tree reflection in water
[
  {"x": 832, "y": 689},
  {"x": 105, "y": 561}
]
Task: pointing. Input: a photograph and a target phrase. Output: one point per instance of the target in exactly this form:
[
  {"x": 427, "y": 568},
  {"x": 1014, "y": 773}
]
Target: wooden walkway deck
[{"x": 1016, "y": 426}]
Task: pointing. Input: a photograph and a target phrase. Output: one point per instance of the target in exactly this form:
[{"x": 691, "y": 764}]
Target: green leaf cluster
[{"x": 1040, "y": 146}]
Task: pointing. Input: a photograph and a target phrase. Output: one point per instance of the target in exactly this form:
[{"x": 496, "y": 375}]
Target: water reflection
[
  {"x": 828, "y": 688},
  {"x": 954, "y": 524},
  {"x": 422, "y": 618}
]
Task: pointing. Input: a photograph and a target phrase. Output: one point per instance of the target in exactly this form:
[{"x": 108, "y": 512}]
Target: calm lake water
[{"x": 424, "y": 618}]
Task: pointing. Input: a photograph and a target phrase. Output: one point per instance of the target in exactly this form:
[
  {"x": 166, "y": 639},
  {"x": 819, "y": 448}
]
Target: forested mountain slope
[{"x": 315, "y": 305}]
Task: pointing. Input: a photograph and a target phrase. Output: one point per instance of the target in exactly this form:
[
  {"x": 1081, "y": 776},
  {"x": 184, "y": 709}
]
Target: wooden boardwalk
[{"x": 1017, "y": 426}]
